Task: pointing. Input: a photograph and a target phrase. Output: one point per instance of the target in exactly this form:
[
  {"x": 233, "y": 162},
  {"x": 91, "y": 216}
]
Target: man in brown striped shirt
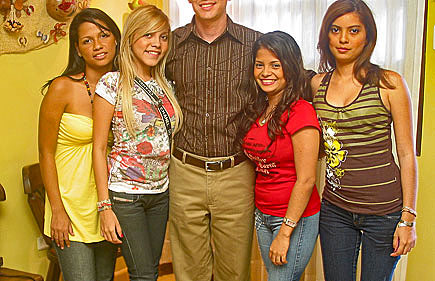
[{"x": 211, "y": 183}]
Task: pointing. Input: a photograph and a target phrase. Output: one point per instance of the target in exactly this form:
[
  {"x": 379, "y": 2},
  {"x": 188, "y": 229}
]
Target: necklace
[
  {"x": 88, "y": 88},
  {"x": 266, "y": 116}
]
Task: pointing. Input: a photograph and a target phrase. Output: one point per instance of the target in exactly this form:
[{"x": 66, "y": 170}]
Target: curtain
[{"x": 398, "y": 48}]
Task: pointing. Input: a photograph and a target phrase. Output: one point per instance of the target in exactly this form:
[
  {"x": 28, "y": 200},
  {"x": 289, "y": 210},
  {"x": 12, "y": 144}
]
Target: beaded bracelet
[
  {"x": 104, "y": 205},
  {"x": 104, "y": 202},
  {"x": 409, "y": 210}
]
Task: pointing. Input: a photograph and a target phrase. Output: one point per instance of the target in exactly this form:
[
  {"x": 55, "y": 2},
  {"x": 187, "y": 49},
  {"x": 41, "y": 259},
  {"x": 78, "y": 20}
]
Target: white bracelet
[
  {"x": 289, "y": 222},
  {"x": 406, "y": 223}
]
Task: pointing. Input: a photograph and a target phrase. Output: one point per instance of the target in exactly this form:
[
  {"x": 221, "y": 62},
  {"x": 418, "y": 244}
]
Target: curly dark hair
[{"x": 297, "y": 86}]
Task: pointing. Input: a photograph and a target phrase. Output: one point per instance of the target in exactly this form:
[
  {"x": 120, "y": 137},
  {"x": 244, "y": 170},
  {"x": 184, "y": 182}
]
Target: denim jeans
[
  {"x": 87, "y": 261},
  {"x": 302, "y": 242},
  {"x": 342, "y": 233},
  {"x": 143, "y": 219}
]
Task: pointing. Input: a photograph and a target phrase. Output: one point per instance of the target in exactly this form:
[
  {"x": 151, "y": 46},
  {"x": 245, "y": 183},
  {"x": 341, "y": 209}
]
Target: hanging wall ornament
[
  {"x": 12, "y": 24},
  {"x": 136, "y": 3},
  {"x": 61, "y": 10},
  {"x": 33, "y": 24},
  {"x": 57, "y": 31}
]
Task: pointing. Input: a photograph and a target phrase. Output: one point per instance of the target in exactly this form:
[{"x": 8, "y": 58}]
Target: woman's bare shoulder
[
  {"x": 316, "y": 80},
  {"x": 61, "y": 90},
  {"x": 394, "y": 78}
]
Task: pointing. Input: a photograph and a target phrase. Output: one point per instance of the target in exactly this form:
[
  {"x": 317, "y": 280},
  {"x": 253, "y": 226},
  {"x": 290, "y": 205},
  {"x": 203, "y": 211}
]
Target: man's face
[{"x": 209, "y": 9}]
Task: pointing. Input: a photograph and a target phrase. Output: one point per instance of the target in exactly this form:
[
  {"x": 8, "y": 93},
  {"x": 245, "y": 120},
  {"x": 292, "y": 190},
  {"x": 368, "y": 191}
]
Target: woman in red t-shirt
[{"x": 281, "y": 136}]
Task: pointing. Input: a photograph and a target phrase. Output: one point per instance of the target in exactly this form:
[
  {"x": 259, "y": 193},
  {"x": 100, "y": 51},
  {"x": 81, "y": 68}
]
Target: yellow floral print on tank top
[{"x": 335, "y": 154}]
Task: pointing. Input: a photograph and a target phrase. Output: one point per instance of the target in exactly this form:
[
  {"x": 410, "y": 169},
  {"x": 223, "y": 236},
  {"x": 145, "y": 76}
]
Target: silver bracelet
[
  {"x": 289, "y": 222},
  {"x": 406, "y": 223},
  {"x": 409, "y": 210}
]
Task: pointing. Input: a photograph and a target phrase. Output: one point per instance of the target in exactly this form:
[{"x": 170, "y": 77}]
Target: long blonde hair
[{"x": 143, "y": 20}]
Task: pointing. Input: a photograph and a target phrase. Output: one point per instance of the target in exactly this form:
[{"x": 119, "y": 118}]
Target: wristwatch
[
  {"x": 406, "y": 223},
  {"x": 289, "y": 222}
]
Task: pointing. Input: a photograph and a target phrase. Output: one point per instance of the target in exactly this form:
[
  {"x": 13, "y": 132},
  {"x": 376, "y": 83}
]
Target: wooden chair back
[{"x": 34, "y": 188}]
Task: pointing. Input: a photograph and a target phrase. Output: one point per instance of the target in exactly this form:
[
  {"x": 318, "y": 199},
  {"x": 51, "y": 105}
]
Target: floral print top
[{"x": 138, "y": 165}]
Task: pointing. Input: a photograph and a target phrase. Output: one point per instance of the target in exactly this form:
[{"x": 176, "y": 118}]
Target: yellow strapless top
[{"x": 76, "y": 178}]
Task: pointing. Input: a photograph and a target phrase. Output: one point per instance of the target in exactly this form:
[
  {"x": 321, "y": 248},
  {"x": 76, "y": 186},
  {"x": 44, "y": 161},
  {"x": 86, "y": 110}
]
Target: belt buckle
[{"x": 206, "y": 163}]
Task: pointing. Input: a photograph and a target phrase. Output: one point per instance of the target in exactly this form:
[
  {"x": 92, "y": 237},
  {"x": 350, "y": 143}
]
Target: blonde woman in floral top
[{"x": 140, "y": 105}]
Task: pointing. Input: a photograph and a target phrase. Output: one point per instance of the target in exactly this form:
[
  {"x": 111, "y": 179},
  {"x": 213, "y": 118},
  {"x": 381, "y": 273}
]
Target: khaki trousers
[{"x": 211, "y": 208}]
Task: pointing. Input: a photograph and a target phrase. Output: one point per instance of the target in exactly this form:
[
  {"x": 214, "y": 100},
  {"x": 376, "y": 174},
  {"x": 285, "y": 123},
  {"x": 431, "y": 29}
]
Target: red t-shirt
[{"x": 275, "y": 168}]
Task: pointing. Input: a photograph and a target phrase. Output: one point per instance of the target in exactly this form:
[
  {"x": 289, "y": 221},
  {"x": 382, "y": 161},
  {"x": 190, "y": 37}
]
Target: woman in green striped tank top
[{"x": 368, "y": 201}]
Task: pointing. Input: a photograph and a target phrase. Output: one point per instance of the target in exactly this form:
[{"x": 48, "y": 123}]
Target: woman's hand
[
  {"x": 110, "y": 228},
  {"x": 405, "y": 237},
  {"x": 61, "y": 228},
  {"x": 404, "y": 240},
  {"x": 279, "y": 247}
]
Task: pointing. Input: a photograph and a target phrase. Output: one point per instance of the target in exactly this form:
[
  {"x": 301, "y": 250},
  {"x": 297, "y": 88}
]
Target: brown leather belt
[{"x": 209, "y": 166}]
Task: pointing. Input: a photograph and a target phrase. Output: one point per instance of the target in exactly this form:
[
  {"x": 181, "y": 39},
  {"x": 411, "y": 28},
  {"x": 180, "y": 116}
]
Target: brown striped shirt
[
  {"x": 361, "y": 175},
  {"x": 212, "y": 86}
]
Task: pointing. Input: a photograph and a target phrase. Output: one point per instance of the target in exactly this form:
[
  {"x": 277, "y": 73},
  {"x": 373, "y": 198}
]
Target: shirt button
[
  {"x": 208, "y": 68},
  {"x": 207, "y": 115}
]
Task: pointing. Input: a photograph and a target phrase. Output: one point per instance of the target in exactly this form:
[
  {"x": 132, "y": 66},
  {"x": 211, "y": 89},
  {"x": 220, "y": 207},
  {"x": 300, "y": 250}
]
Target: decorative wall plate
[{"x": 33, "y": 24}]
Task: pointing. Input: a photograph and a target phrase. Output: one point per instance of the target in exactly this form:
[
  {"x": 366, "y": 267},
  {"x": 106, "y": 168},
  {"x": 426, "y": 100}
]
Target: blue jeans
[
  {"x": 143, "y": 219},
  {"x": 342, "y": 233},
  {"x": 302, "y": 242},
  {"x": 87, "y": 261}
]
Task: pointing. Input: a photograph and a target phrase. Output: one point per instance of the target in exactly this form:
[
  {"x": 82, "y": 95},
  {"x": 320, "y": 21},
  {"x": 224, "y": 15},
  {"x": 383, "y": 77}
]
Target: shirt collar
[{"x": 190, "y": 31}]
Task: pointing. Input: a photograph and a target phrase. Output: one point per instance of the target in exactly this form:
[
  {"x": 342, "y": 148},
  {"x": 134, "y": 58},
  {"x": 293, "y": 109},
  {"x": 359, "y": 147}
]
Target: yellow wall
[
  {"x": 21, "y": 78},
  {"x": 421, "y": 262}
]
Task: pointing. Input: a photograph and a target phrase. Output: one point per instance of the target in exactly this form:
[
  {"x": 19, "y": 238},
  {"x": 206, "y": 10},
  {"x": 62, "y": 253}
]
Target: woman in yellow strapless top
[{"x": 65, "y": 150}]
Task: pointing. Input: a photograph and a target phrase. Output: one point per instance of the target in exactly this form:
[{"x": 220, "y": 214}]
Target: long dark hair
[
  {"x": 76, "y": 64},
  {"x": 364, "y": 71},
  {"x": 297, "y": 86}
]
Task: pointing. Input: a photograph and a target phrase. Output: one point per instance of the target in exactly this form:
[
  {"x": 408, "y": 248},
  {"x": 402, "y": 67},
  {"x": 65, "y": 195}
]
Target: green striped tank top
[{"x": 361, "y": 174}]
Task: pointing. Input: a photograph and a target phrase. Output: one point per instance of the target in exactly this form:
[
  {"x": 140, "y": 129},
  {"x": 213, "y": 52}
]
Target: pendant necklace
[
  {"x": 88, "y": 88},
  {"x": 266, "y": 117}
]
